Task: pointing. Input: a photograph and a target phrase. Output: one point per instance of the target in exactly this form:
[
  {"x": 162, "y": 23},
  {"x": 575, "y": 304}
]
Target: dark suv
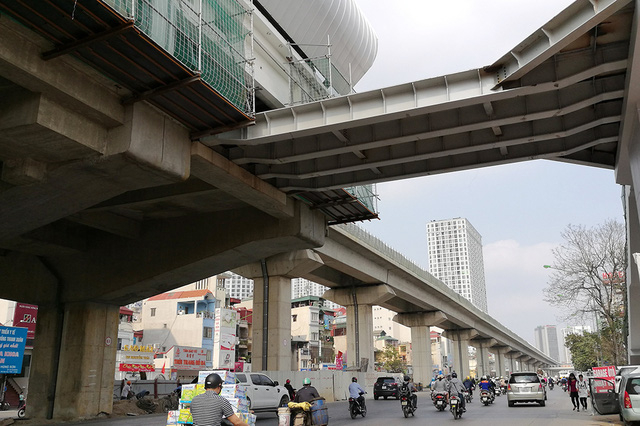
[{"x": 386, "y": 387}]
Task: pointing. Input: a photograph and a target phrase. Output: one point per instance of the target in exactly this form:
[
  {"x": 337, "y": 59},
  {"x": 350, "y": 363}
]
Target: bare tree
[{"x": 588, "y": 280}]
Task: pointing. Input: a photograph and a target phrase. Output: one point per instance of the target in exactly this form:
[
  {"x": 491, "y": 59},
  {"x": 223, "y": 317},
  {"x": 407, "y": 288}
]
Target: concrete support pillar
[
  {"x": 524, "y": 363},
  {"x": 72, "y": 373},
  {"x": 462, "y": 339},
  {"x": 420, "y": 324},
  {"x": 515, "y": 361},
  {"x": 482, "y": 355},
  {"x": 501, "y": 361},
  {"x": 633, "y": 277},
  {"x": 271, "y": 346},
  {"x": 359, "y": 302}
]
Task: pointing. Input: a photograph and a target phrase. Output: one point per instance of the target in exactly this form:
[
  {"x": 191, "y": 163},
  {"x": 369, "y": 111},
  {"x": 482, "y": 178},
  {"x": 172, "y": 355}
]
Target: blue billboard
[{"x": 12, "y": 343}]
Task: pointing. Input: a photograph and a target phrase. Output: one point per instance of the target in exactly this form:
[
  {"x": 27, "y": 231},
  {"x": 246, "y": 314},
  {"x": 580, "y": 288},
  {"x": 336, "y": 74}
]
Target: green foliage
[
  {"x": 391, "y": 360},
  {"x": 584, "y": 350}
]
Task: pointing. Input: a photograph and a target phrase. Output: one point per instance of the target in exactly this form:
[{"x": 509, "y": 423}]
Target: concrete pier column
[
  {"x": 524, "y": 363},
  {"x": 482, "y": 357},
  {"x": 501, "y": 360},
  {"x": 74, "y": 357},
  {"x": 633, "y": 277},
  {"x": 462, "y": 341},
  {"x": 271, "y": 346},
  {"x": 359, "y": 302},
  {"x": 420, "y": 323}
]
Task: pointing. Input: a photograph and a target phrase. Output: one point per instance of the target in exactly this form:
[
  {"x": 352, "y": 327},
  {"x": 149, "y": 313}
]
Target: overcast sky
[{"x": 520, "y": 209}]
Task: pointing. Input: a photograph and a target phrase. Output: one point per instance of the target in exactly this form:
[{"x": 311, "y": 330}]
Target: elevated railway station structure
[{"x": 145, "y": 145}]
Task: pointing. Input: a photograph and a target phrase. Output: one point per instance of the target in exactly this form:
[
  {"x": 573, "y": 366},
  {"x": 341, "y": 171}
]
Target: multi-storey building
[
  {"x": 455, "y": 258},
  {"x": 238, "y": 287},
  {"x": 546, "y": 340},
  {"x": 301, "y": 287}
]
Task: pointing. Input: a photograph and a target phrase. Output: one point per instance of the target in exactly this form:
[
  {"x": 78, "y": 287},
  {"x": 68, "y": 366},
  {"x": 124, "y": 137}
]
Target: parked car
[
  {"x": 629, "y": 398},
  {"x": 386, "y": 387},
  {"x": 525, "y": 387},
  {"x": 263, "y": 393}
]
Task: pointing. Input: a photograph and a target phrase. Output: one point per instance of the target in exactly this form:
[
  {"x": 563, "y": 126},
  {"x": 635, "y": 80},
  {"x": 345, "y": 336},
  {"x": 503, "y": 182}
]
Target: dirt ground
[{"x": 120, "y": 409}]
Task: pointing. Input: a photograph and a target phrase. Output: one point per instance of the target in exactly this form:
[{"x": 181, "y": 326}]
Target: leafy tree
[
  {"x": 391, "y": 360},
  {"x": 584, "y": 350},
  {"x": 588, "y": 280}
]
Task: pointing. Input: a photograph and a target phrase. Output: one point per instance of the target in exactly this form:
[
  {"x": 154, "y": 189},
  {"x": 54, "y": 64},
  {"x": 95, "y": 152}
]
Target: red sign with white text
[
  {"x": 25, "y": 316},
  {"x": 607, "y": 373}
]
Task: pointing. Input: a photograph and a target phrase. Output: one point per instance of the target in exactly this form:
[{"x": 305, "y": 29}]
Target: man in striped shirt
[{"x": 209, "y": 408}]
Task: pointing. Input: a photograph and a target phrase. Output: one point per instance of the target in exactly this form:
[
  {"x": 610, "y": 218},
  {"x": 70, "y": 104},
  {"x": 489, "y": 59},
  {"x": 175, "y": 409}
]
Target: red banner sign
[
  {"x": 607, "y": 373},
  {"x": 137, "y": 367},
  {"x": 25, "y": 316}
]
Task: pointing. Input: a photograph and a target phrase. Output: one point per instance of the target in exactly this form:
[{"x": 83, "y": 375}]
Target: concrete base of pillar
[
  {"x": 421, "y": 354},
  {"x": 75, "y": 348}
]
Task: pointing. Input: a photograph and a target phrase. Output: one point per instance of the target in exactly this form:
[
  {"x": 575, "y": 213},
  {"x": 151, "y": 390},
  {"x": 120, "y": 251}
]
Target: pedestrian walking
[
  {"x": 572, "y": 387},
  {"x": 583, "y": 391}
]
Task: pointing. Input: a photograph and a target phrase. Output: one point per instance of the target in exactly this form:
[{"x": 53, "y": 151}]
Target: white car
[{"x": 263, "y": 393}]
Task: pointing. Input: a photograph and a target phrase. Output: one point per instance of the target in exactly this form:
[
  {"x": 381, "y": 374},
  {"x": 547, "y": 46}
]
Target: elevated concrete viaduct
[{"x": 116, "y": 183}]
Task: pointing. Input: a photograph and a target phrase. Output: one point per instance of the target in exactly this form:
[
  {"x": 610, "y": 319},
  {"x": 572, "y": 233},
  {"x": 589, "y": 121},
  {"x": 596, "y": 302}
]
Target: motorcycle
[
  {"x": 467, "y": 396},
  {"x": 21, "y": 410},
  {"x": 564, "y": 387},
  {"x": 440, "y": 401},
  {"x": 503, "y": 389},
  {"x": 406, "y": 402},
  {"x": 551, "y": 385},
  {"x": 497, "y": 391},
  {"x": 455, "y": 407},
  {"x": 355, "y": 408},
  {"x": 485, "y": 397}
]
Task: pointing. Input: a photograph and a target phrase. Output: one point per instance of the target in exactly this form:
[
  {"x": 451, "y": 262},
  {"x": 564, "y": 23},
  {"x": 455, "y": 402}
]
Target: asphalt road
[{"x": 387, "y": 412}]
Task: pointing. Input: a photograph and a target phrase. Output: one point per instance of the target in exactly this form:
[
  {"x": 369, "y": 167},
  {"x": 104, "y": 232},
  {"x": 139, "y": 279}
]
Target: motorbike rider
[
  {"x": 408, "y": 384},
  {"x": 307, "y": 393},
  {"x": 455, "y": 387},
  {"x": 468, "y": 384},
  {"x": 356, "y": 392},
  {"x": 439, "y": 386},
  {"x": 487, "y": 385}
]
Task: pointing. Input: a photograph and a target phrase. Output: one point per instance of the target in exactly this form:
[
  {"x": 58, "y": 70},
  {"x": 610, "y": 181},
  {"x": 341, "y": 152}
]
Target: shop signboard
[
  {"x": 12, "y": 344},
  {"x": 188, "y": 358},
  {"x": 25, "y": 315},
  {"x": 134, "y": 358},
  {"x": 224, "y": 339},
  {"x": 608, "y": 373}
]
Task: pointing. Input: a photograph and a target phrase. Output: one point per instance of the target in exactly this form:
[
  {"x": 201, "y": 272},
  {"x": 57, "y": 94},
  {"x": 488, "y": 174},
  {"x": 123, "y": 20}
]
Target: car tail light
[
  {"x": 627, "y": 400},
  {"x": 394, "y": 384},
  {"x": 509, "y": 387}
]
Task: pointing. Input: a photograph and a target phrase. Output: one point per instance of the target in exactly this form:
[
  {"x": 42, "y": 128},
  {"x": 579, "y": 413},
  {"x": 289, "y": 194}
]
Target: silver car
[
  {"x": 629, "y": 398},
  {"x": 525, "y": 387}
]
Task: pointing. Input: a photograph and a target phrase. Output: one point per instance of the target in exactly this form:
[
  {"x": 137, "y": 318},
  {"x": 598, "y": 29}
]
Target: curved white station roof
[{"x": 310, "y": 21}]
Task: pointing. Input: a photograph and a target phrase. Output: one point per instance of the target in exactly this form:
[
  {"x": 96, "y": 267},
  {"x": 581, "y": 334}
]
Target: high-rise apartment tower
[
  {"x": 546, "y": 337},
  {"x": 455, "y": 258}
]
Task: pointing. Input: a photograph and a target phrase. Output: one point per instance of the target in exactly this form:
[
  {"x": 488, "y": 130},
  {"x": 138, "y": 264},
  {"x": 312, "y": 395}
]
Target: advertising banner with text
[
  {"x": 25, "y": 316},
  {"x": 224, "y": 339},
  {"x": 12, "y": 343}
]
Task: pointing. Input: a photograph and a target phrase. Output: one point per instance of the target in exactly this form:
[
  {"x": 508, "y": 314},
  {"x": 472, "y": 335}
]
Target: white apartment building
[
  {"x": 455, "y": 258},
  {"x": 546, "y": 340},
  {"x": 301, "y": 287},
  {"x": 383, "y": 321},
  {"x": 238, "y": 287}
]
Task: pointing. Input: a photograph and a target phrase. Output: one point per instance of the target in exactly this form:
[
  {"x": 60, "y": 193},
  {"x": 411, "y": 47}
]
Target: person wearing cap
[
  {"x": 289, "y": 388},
  {"x": 125, "y": 390},
  {"x": 307, "y": 393},
  {"x": 209, "y": 408}
]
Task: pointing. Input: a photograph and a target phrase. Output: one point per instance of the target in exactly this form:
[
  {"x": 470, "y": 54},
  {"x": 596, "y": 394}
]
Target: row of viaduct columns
[{"x": 272, "y": 324}]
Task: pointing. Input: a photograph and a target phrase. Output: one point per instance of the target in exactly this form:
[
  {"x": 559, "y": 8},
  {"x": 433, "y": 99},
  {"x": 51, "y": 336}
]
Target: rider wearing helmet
[
  {"x": 439, "y": 385},
  {"x": 455, "y": 387},
  {"x": 411, "y": 388},
  {"x": 468, "y": 384},
  {"x": 356, "y": 392},
  {"x": 307, "y": 393}
]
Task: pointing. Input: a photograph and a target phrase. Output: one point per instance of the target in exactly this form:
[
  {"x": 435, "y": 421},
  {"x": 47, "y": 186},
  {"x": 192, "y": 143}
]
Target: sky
[{"x": 519, "y": 209}]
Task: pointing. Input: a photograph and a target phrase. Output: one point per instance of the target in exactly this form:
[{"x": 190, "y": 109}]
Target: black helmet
[
  {"x": 212, "y": 381},
  {"x": 354, "y": 379},
  {"x": 407, "y": 379},
  {"x": 454, "y": 375}
]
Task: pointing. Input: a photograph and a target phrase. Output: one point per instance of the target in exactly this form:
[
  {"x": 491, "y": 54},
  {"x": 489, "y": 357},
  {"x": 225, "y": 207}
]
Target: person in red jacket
[{"x": 572, "y": 385}]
